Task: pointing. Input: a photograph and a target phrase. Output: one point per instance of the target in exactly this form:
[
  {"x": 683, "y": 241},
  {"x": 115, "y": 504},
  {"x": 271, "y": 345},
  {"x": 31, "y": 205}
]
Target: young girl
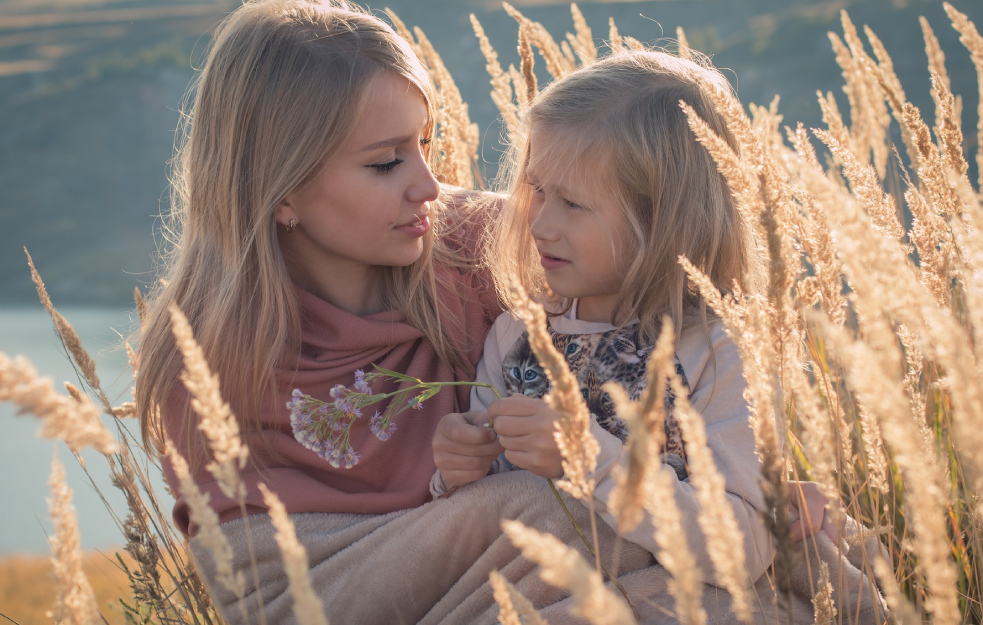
[{"x": 609, "y": 189}]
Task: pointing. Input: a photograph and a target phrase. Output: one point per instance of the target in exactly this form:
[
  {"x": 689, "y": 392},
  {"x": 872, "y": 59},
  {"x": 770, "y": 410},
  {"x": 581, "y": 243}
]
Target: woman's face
[{"x": 368, "y": 206}]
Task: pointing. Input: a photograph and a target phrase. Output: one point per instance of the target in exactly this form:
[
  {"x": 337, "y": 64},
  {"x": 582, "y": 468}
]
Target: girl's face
[
  {"x": 581, "y": 234},
  {"x": 368, "y": 206}
]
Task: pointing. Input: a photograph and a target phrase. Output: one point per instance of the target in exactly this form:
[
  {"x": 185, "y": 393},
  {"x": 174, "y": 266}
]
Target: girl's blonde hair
[
  {"x": 280, "y": 91},
  {"x": 616, "y": 125}
]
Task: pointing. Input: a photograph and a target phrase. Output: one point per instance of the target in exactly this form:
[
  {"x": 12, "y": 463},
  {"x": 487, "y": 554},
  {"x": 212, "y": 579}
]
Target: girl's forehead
[{"x": 567, "y": 160}]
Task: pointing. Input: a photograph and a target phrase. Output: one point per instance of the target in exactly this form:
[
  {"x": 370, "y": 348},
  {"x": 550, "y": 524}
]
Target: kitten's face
[{"x": 522, "y": 371}]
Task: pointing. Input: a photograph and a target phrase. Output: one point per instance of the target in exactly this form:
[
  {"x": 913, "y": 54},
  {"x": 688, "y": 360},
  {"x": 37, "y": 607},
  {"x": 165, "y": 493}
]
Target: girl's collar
[{"x": 569, "y": 324}]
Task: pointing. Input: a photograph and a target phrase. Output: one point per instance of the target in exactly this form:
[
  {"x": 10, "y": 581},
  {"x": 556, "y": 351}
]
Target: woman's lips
[
  {"x": 416, "y": 228},
  {"x": 552, "y": 262}
]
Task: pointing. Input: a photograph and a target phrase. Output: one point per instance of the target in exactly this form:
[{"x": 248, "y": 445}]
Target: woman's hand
[
  {"x": 526, "y": 427},
  {"x": 463, "y": 449},
  {"x": 814, "y": 512}
]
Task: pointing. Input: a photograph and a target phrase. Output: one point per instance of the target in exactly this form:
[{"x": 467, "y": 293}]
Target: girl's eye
[
  {"x": 385, "y": 168},
  {"x": 538, "y": 190},
  {"x": 425, "y": 141},
  {"x": 571, "y": 204}
]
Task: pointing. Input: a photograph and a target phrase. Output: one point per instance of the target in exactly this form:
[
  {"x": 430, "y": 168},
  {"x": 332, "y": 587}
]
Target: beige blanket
[{"x": 430, "y": 565}]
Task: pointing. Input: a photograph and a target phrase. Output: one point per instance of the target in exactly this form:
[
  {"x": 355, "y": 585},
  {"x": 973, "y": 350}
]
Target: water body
[{"x": 25, "y": 459}]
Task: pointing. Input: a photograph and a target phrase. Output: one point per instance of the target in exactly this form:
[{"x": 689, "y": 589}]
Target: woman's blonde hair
[
  {"x": 617, "y": 126},
  {"x": 280, "y": 91}
]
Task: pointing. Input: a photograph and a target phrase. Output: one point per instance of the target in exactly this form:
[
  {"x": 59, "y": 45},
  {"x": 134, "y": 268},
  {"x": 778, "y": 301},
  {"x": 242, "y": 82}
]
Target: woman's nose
[{"x": 425, "y": 187}]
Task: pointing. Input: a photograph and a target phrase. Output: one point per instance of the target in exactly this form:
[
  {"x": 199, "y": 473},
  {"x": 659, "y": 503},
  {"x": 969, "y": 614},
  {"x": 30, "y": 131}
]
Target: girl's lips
[
  {"x": 415, "y": 229},
  {"x": 551, "y": 262}
]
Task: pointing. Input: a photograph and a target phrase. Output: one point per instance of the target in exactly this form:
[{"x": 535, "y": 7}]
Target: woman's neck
[{"x": 357, "y": 289}]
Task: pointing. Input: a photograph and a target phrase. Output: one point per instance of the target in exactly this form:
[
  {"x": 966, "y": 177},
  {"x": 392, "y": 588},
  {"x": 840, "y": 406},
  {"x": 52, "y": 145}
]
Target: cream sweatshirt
[{"x": 712, "y": 368}]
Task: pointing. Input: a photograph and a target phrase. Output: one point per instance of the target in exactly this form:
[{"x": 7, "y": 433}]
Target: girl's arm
[{"x": 714, "y": 372}]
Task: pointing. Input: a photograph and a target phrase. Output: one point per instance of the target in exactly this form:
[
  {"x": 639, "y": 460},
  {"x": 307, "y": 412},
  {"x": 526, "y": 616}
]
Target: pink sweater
[{"x": 391, "y": 475}]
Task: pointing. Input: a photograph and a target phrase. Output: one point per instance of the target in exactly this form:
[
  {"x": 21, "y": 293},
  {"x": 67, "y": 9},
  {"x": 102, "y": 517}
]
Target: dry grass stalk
[
  {"x": 141, "y": 305},
  {"x": 874, "y": 370},
  {"x": 75, "y": 603},
  {"x": 645, "y": 434},
  {"x": 869, "y": 116},
  {"x": 557, "y": 63},
  {"x": 887, "y": 78},
  {"x": 936, "y": 60},
  {"x": 501, "y": 93},
  {"x": 867, "y": 188},
  {"x": 684, "y": 48},
  {"x": 902, "y": 611},
  {"x": 948, "y": 128},
  {"x": 933, "y": 240},
  {"x": 818, "y": 439},
  {"x": 659, "y": 500},
  {"x": 307, "y": 605},
  {"x": 583, "y": 40},
  {"x": 563, "y": 567},
  {"x": 822, "y": 601},
  {"x": 209, "y": 532},
  {"x": 814, "y": 235},
  {"x": 69, "y": 337},
  {"x": 141, "y": 543},
  {"x": 746, "y": 322},
  {"x": 615, "y": 41},
  {"x": 577, "y": 445},
  {"x": 971, "y": 38},
  {"x": 931, "y": 171},
  {"x": 834, "y": 121},
  {"x": 742, "y": 181},
  {"x": 527, "y": 64},
  {"x": 513, "y": 607},
  {"x": 216, "y": 419},
  {"x": 75, "y": 421},
  {"x": 875, "y": 457},
  {"x": 725, "y": 541},
  {"x": 459, "y": 137}
]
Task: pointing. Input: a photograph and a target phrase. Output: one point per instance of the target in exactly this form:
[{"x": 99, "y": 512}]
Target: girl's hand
[
  {"x": 815, "y": 512},
  {"x": 525, "y": 427},
  {"x": 463, "y": 449}
]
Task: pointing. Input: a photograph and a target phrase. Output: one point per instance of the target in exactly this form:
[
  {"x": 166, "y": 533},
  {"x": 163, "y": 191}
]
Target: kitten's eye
[
  {"x": 531, "y": 375},
  {"x": 571, "y": 348},
  {"x": 584, "y": 392},
  {"x": 516, "y": 373}
]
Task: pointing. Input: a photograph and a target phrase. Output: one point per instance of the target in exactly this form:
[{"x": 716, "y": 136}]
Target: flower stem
[{"x": 590, "y": 548}]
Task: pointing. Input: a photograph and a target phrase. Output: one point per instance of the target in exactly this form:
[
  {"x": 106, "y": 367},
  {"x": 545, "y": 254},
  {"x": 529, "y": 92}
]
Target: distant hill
[{"x": 90, "y": 89}]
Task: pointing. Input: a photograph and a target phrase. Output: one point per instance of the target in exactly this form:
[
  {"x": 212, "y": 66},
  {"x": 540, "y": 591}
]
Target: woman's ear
[{"x": 285, "y": 212}]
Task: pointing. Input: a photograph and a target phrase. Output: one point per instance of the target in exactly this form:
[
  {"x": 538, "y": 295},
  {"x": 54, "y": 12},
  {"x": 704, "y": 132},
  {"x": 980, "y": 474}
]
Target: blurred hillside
[{"x": 90, "y": 89}]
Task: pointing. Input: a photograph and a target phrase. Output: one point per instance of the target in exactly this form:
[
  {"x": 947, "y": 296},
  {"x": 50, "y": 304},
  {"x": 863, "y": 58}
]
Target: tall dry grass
[{"x": 861, "y": 345}]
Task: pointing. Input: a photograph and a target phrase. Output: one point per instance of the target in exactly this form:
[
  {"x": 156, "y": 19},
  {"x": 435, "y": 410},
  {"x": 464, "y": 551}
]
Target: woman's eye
[
  {"x": 425, "y": 141},
  {"x": 538, "y": 190},
  {"x": 385, "y": 168}
]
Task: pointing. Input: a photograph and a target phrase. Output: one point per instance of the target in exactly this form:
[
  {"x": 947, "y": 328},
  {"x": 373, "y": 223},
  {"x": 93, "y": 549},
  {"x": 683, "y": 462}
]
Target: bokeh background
[{"x": 90, "y": 94}]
